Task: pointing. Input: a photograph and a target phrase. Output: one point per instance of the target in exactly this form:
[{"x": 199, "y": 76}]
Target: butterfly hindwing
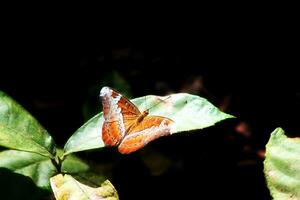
[
  {"x": 149, "y": 129},
  {"x": 112, "y": 133}
]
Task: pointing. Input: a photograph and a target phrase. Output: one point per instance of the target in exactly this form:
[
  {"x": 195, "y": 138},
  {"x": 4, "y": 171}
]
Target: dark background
[{"x": 248, "y": 71}]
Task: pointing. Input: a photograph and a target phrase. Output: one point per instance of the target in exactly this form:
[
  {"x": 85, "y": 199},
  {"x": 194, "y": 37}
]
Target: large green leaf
[
  {"x": 189, "y": 112},
  {"x": 65, "y": 187},
  {"x": 39, "y": 168},
  {"x": 19, "y": 130},
  {"x": 282, "y": 166}
]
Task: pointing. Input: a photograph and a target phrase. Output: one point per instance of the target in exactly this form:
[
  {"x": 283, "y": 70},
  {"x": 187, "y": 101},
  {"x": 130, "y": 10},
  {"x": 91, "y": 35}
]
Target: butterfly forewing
[
  {"x": 128, "y": 108},
  {"x": 118, "y": 113}
]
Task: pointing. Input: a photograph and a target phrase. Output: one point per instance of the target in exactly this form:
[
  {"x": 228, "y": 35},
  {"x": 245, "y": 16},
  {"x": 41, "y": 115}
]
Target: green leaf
[
  {"x": 189, "y": 112},
  {"x": 282, "y": 166},
  {"x": 19, "y": 130},
  {"x": 73, "y": 164},
  {"x": 66, "y": 187},
  {"x": 39, "y": 168}
]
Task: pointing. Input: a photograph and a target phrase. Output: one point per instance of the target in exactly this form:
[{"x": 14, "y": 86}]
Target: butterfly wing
[
  {"x": 149, "y": 129},
  {"x": 119, "y": 113}
]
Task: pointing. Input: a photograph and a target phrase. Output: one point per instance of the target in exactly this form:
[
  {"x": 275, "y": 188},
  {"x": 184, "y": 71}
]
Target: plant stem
[{"x": 57, "y": 163}]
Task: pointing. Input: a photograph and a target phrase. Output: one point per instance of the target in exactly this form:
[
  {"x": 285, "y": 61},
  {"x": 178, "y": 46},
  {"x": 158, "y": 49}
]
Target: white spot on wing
[
  {"x": 105, "y": 91},
  {"x": 115, "y": 112}
]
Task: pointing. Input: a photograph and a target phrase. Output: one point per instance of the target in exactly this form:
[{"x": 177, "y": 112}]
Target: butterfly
[{"x": 125, "y": 126}]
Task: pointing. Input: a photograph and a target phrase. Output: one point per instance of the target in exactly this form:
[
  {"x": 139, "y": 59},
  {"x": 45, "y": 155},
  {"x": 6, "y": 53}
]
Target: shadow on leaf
[{"x": 15, "y": 187}]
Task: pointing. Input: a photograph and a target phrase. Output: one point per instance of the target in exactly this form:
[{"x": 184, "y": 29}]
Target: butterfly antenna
[
  {"x": 145, "y": 102},
  {"x": 161, "y": 100}
]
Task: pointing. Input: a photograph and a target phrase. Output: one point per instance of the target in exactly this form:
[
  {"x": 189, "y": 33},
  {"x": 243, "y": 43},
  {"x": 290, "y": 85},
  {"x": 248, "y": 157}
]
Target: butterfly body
[{"x": 125, "y": 126}]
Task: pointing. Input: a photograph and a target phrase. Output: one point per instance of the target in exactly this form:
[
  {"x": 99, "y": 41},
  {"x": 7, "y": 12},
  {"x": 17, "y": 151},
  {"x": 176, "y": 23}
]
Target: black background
[{"x": 49, "y": 67}]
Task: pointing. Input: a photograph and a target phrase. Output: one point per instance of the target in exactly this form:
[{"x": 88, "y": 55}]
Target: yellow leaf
[{"x": 65, "y": 187}]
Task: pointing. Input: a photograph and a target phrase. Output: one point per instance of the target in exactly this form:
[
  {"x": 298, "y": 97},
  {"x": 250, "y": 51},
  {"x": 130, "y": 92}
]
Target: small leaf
[
  {"x": 19, "y": 130},
  {"x": 282, "y": 166},
  {"x": 73, "y": 164},
  {"x": 39, "y": 168},
  {"x": 65, "y": 187},
  {"x": 189, "y": 112}
]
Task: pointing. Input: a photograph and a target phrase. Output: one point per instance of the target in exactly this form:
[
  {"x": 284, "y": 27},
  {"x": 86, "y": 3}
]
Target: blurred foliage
[{"x": 156, "y": 162}]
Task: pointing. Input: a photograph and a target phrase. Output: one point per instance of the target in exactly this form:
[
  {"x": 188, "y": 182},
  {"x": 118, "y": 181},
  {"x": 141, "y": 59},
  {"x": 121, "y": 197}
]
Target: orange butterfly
[{"x": 124, "y": 125}]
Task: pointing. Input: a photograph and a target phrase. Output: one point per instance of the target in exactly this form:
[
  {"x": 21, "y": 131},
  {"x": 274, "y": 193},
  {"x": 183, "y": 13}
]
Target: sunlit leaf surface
[
  {"x": 19, "y": 130},
  {"x": 282, "y": 166}
]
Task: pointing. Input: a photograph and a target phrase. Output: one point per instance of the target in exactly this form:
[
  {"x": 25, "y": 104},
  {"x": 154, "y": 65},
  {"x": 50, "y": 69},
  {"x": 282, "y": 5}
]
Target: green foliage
[
  {"x": 189, "y": 112},
  {"x": 73, "y": 164},
  {"x": 39, "y": 168},
  {"x": 66, "y": 187},
  {"x": 282, "y": 166},
  {"x": 19, "y": 130},
  {"x": 33, "y": 154}
]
